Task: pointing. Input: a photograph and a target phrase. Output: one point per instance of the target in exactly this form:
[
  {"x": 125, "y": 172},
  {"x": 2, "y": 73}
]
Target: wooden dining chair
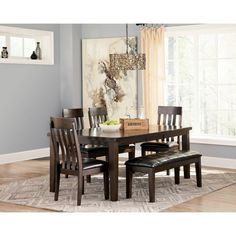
[
  {"x": 69, "y": 159},
  {"x": 90, "y": 151},
  {"x": 76, "y": 113},
  {"x": 166, "y": 115},
  {"x": 99, "y": 115},
  {"x": 87, "y": 151}
]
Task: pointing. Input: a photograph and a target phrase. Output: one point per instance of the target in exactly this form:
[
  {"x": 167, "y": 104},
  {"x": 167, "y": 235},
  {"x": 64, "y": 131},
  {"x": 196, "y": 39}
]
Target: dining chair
[
  {"x": 166, "y": 115},
  {"x": 69, "y": 159},
  {"x": 87, "y": 151},
  {"x": 99, "y": 115}
]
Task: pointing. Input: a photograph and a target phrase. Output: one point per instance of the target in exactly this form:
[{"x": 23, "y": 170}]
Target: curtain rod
[{"x": 150, "y": 25}]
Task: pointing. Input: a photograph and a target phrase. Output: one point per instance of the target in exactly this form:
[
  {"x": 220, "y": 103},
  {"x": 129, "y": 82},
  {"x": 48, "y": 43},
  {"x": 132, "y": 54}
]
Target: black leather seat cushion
[
  {"x": 93, "y": 148},
  {"x": 89, "y": 163},
  {"x": 159, "y": 159},
  {"x": 159, "y": 144},
  {"x": 86, "y": 149}
]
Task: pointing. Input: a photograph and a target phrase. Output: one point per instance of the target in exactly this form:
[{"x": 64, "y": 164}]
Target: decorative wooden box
[{"x": 134, "y": 124}]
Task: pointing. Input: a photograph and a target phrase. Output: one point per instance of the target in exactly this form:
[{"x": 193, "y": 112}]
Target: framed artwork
[{"x": 117, "y": 91}]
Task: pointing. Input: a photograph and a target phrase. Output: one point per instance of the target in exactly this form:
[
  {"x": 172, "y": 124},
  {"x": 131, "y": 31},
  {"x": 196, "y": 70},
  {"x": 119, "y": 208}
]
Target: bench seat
[
  {"x": 154, "y": 163},
  {"x": 158, "y": 159}
]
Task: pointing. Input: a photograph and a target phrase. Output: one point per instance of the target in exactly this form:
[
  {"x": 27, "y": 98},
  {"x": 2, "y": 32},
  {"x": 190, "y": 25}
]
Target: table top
[{"x": 154, "y": 130}]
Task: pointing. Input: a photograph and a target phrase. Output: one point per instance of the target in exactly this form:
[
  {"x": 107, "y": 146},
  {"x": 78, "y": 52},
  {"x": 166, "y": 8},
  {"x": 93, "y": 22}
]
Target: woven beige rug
[{"x": 35, "y": 192}]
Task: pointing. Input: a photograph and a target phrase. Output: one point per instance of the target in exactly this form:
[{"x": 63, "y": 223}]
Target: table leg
[
  {"x": 52, "y": 167},
  {"x": 186, "y": 147},
  {"x": 113, "y": 170}
]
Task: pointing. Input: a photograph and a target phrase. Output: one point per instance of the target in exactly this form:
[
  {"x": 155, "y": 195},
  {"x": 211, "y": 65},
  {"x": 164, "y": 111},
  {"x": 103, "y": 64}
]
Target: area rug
[{"x": 35, "y": 192}]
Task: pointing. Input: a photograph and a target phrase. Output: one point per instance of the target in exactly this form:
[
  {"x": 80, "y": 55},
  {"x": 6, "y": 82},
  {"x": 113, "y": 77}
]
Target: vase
[
  {"x": 4, "y": 53},
  {"x": 38, "y": 51},
  {"x": 33, "y": 56}
]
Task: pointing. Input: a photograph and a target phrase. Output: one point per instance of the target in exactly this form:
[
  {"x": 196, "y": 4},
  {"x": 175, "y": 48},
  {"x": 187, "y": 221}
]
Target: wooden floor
[
  {"x": 223, "y": 200},
  {"x": 18, "y": 171}
]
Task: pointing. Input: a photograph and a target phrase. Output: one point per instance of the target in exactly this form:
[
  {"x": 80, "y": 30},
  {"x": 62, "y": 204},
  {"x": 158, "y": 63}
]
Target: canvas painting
[{"x": 101, "y": 86}]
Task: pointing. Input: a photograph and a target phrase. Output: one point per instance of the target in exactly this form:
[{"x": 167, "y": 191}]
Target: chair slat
[
  {"x": 174, "y": 119},
  {"x": 164, "y": 118},
  {"x": 169, "y": 120},
  {"x": 62, "y": 148}
]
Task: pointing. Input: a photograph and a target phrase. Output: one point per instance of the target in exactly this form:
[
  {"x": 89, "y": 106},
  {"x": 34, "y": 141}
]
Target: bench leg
[
  {"x": 177, "y": 175},
  {"x": 168, "y": 172},
  {"x": 129, "y": 175},
  {"x": 198, "y": 173},
  {"x": 151, "y": 182},
  {"x": 187, "y": 171}
]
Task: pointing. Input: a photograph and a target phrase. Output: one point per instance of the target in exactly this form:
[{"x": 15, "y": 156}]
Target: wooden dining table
[{"x": 122, "y": 137}]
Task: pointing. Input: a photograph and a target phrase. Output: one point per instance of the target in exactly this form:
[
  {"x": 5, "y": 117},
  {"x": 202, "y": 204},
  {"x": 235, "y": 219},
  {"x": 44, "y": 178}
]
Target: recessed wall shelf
[{"x": 46, "y": 39}]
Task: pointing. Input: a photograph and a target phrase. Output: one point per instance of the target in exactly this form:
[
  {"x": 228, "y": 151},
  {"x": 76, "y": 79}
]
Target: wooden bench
[{"x": 154, "y": 163}]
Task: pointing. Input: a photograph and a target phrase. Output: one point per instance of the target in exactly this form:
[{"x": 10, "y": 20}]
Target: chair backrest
[
  {"x": 169, "y": 115},
  {"x": 76, "y": 113},
  {"x": 65, "y": 141},
  {"x": 97, "y": 115}
]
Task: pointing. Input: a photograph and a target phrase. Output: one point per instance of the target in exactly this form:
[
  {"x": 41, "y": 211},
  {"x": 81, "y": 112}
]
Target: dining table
[{"x": 96, "y": 136}]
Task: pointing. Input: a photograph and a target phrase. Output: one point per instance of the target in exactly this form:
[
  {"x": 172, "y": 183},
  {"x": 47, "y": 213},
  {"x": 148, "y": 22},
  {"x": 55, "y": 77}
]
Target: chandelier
[{"x": 129, "y": 60}]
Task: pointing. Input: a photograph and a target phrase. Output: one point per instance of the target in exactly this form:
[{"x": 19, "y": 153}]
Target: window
[
  {"x": 21, "y": 43},
  {"x": 201, "y": 77},
  {"x": 22, "y": 47},
  {"x": 2, "y": 41}
]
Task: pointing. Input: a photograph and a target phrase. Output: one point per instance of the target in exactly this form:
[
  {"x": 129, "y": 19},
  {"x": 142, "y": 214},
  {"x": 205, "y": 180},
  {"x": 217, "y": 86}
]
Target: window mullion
[
  {"x": 217, "y": 84},
  {"x": 197, "y": 102}
]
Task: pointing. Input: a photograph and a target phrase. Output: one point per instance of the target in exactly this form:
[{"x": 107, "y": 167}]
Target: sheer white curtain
[{"x": 153, "y": 45}]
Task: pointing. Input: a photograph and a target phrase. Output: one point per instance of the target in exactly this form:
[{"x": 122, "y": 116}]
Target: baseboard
[
  {"x": 23, "y": 156},
  {"x": 219, "y": 162},
  {"x": 44, "y": 152}
]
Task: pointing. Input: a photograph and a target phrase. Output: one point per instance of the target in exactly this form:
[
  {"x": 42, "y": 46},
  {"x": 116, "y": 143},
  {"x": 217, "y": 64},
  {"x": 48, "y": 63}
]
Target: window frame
[{"x": 196, "y": 30}]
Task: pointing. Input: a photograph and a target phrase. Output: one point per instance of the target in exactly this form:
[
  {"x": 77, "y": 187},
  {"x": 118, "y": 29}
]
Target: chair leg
[
  {"x": 151, "y": 183},
  {"x": 143, "y": 151},
  {"x": 129, "y": 176},
  {"x": 66, "y": 176},
  {"x": 80, "y": 187},
  {"x": 106, "y": 183},
  {"x": 177, "y": 175},
  {"x": 88, "y": 177},
  {"x": 198, "y": 173},
  {"x": 132, "y": 153},
  {"x": 167, "y": 172},
  {"x": 83, "y": 186},
  {"x": 187, "y": 171},
  {"x": 57, "y": 183}
]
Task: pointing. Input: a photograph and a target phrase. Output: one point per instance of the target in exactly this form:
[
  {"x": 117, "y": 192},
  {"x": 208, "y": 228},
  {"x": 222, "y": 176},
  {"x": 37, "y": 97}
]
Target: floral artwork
[{"x": 116, "y": 90}]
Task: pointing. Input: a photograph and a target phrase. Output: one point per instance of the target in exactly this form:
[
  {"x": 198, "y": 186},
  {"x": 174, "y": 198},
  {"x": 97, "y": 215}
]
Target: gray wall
[
  {"x": 108, "y": 30},
  {"x": 70, "y": 68},
  {"x": 211, "y": 150},
  {"x": 29, "y": 95}
]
